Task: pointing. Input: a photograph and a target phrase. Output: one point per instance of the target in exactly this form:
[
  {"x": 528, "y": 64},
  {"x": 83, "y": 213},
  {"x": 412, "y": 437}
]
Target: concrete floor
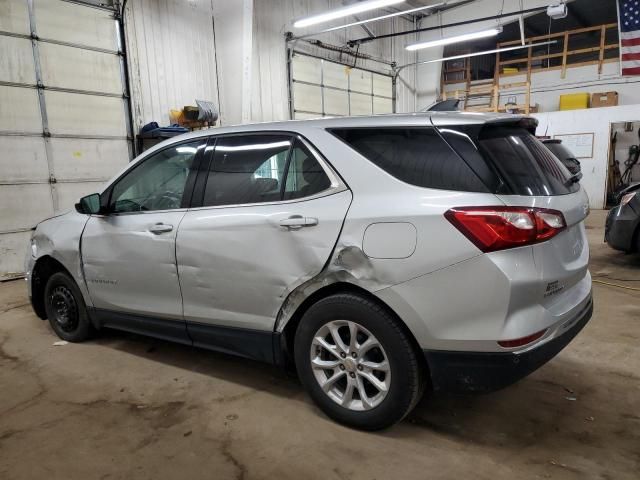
[{"x": 124, "y": 406}]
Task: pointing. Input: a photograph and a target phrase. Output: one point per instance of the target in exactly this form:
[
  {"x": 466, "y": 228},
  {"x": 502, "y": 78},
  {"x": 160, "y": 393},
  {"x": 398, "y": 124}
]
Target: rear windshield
[
  {"x": 524, "y": 163},
  {"x": 559, "y": 150},
  {"x": 416, "y": 155}
]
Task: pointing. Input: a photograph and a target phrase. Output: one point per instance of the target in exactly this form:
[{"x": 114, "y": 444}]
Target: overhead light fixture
[
  {"x": 477, "y": 54},
  {"x": 376, "y": 19},
  {"x": 345, "y": 12},
  {"x": 492, "y": 32}
]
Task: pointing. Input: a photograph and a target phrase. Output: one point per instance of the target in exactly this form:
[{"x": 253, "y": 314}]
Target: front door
[
  {"x": 272, "y": 213},
  {"x": 129, "y": 255}
]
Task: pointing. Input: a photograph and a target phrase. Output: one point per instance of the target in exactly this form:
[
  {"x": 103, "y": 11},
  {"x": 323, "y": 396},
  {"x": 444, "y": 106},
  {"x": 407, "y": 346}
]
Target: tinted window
[
  {"x": 158, "y": 183},
  {"x": 418, "y": 156},
  {"x": 247, "y": 169},
  {"x": 524, "y": 163},
  {"x": 305, "y": 176}
]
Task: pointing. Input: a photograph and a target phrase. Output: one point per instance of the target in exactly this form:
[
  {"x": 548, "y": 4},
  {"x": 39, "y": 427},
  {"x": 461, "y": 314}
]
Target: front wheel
[
  {"x": 66, "y": 310},
  {"x": 357, "y": 363}
]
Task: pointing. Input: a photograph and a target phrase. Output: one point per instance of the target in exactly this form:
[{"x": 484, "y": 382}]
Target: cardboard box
[
  {"x": 606, "y": 99},
  {"x": 574, "y": 101}
]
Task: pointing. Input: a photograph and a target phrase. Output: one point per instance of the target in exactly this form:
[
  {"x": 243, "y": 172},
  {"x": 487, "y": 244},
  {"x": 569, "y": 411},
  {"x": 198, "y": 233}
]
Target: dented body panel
[
  {"x": 238, "y": 264},
  {"x": 59, "y": 238},
  {"x": 238, "y": 267}
]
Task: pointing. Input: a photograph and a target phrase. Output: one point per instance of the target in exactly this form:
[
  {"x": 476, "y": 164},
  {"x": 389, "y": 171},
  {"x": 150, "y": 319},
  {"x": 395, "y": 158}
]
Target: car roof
[{"x": 387, "y": 120}]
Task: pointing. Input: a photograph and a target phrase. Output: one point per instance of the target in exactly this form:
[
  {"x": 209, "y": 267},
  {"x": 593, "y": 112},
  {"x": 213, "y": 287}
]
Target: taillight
[
  {"x": 520, "y": 342},
  {"x": 499, "y": 228}
]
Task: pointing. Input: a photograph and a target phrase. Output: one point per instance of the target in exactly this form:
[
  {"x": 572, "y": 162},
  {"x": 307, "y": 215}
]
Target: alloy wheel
[{"x": 350, "y": 365}]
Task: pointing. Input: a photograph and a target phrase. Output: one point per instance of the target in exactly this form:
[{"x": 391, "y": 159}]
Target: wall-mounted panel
[
  {"x": 94, "y": 159},
  {"x": 14, "y": 16},
  {"x": 360, "y": 81},
  {"x": 16, "y": 60},
  {"x": 308, "y": 98},
  {"x": 80, "y": 69},
  {"x": 336, "y": 102},
  {"x": 69, "y": 193},
  {"x": 360, "y": 104},
  {"x": 22, "y": 206},
  {"x": 19, "y": 110},
  {"x": 23, "y": 159},
  {"x": 335, "y": 75},
  {"x": 72, "y": 23},
  {"x": 68, "y": 114}
]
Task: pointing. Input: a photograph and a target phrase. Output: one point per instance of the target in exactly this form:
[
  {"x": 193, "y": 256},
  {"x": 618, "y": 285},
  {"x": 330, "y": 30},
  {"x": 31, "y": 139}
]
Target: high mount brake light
[{"x": 500, "y": 228}]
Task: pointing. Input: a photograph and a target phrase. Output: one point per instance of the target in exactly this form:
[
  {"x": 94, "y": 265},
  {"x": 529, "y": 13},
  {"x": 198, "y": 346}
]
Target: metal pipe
[{"x": 360, "y": 41}]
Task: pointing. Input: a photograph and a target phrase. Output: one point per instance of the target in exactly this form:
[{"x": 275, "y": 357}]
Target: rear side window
[
  {"x": 305, "y": 176},
  {"x": 418, "y": 156},
  {"x": 524, "y": 163}
]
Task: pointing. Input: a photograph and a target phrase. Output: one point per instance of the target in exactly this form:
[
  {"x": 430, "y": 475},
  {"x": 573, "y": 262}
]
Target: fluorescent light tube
[
  {"x": 382, "y": 17},
  {"x": 476, "y": 54},
  {"x": 458, "y": 38},
  {"x": 345, "y": 12}
]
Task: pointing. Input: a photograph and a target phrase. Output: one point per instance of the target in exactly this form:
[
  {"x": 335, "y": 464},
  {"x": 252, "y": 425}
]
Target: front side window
[
  {"x": 158, "y": 183},
  {"x": 249, "y": 169}
]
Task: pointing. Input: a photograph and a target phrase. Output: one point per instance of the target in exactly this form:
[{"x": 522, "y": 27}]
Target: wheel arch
[
  {"x": 43, "y": 269},
  {"x": 288, "y": 332}
]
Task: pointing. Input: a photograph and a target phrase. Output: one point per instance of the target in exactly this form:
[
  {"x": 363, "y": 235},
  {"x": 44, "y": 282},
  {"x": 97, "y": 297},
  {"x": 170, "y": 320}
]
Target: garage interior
[{"x": 87, "y": 86}]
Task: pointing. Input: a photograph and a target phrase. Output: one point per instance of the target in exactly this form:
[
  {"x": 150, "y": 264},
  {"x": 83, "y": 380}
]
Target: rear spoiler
[{"x": 528, "y": 123}]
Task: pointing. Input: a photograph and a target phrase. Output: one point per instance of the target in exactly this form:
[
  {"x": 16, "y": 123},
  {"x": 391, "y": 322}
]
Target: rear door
[{"x": 272, "y": 210}]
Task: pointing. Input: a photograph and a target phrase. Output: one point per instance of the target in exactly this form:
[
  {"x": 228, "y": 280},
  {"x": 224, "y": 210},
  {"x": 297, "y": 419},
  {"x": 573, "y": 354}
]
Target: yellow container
[
  {"x": 507, "y": 70},
  {"x": 574, "y": 101}
]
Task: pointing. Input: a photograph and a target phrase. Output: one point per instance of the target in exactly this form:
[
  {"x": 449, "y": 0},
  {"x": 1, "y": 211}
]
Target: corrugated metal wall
[
  {"x": 172, "y": 59},
  {"x": 172, "y": 55},
  {"x": 269, "y": 92}
]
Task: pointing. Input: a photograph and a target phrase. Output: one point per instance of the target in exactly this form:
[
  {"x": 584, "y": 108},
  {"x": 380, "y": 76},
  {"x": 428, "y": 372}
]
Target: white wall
[
  {"x": 171, "y": 56},
  {"x": 547, "y": 86},
  {"x": 597, "y": 121},
  {"x": 234, "y": 53},
  {"x": 269, "y": 97}
]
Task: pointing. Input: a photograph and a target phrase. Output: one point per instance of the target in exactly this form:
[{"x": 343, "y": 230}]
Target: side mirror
[{"x": 89, "y": 205}]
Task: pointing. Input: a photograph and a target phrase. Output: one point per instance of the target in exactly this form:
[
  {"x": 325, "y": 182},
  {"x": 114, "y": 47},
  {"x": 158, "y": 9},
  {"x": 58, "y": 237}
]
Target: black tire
[
  {"x": 406, "y": 381},
  {"x": 66, "y": 310}
]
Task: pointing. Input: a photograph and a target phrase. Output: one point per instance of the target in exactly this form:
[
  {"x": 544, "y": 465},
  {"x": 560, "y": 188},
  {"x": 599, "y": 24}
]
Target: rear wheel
[
  {"x": 357, "y": 363},
  {"x": 66, "y": 310}
]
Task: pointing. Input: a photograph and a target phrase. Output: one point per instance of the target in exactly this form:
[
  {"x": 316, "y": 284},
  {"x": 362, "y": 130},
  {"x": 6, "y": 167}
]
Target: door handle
[
  {"x": 159, "y": 228},
  {"x": 296, "y": 222}
]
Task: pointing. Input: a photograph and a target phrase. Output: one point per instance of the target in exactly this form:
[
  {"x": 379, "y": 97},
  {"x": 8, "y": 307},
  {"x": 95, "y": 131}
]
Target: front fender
[{"x": 59, "y": 238}]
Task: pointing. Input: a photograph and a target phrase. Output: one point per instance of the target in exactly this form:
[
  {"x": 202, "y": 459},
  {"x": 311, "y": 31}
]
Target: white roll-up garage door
[
  {"x": 64, "y": 126},
  {"x": 322, "y": 87}
]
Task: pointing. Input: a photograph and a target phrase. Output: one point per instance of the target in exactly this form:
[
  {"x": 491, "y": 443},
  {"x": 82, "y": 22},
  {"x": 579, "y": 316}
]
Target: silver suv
[{"x": 378, "y": 255}]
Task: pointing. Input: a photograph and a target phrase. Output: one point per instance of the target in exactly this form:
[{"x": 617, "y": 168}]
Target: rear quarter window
[{"x": 418, "y": 156}]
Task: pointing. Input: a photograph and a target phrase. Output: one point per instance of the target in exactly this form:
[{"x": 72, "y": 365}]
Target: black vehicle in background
[
  {"x": 563, "y": 154},
  {"x": 622, "y": 230}
]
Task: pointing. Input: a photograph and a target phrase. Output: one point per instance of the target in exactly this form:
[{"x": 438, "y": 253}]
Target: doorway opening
[{"x": 624, "y": 160}]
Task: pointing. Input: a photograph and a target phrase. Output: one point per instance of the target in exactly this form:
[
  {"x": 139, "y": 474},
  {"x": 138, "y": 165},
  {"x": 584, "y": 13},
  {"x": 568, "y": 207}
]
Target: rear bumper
[
  {"x": 489, "y": 371},
  {"x": 622, "y": 222}
]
